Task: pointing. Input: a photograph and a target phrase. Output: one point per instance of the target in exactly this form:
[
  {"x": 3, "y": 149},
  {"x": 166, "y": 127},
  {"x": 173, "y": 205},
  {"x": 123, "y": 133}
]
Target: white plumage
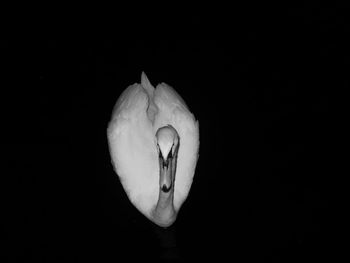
[{"x": 140, "y": 112}]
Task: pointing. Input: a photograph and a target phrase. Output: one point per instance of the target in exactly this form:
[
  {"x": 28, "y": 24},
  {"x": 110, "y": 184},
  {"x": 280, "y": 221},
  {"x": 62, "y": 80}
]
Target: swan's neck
[
  {"x": 164, "y": 212},
  {"x": 165, "y": 200}
]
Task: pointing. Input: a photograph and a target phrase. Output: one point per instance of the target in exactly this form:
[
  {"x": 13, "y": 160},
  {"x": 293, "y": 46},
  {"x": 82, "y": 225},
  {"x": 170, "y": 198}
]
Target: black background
[{"x": 260, "y": 85}]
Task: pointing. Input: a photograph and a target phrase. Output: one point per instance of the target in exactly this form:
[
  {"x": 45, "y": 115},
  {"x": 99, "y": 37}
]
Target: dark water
[{"x": 265, "y": 186}]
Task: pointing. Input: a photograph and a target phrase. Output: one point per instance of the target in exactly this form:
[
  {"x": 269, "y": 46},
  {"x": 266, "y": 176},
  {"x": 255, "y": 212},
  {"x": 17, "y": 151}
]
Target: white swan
[{"x": 154, "y": 142}]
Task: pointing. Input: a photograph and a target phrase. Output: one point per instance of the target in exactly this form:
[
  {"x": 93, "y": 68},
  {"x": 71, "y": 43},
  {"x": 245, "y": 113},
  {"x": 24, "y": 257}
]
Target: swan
[{"x": 153, "y": 141}]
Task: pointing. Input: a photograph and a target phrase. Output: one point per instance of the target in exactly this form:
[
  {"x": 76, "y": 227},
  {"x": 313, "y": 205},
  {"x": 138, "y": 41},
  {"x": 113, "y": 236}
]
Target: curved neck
[
  {"x": 165, "y": 200},
  {"x": 164, "y": 212}
]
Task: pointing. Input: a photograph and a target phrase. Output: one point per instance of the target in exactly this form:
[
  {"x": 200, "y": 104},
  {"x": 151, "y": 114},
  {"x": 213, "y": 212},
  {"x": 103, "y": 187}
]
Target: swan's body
[{"x": 154, "y": 142}]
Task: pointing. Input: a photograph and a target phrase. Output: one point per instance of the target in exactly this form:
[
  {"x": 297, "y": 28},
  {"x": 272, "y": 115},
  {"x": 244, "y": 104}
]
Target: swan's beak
[{"x": 167, "y": 168}]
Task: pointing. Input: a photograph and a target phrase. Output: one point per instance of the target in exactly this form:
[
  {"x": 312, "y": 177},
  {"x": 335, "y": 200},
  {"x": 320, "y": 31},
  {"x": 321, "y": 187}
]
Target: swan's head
[{"x": 168, "y": 146}]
